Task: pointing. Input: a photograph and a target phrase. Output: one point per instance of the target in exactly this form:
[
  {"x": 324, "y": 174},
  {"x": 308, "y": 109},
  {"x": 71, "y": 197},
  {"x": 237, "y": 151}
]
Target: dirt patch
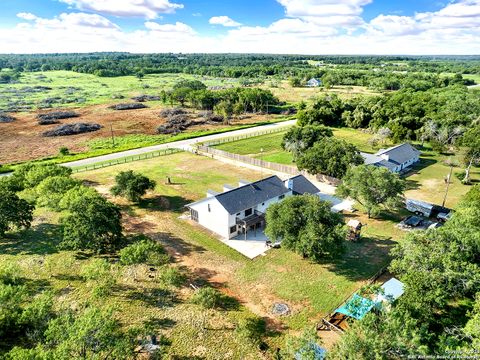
[{"x": 22, "y": 139}]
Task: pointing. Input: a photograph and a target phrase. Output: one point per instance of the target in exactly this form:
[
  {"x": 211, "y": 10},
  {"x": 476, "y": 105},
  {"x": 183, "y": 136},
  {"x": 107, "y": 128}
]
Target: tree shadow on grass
[
  {"x": 419, "y": 166},
  {"x": 362, "y": 259},
  {"x": 175, "y": 245},
  {"x": 164, "y": 203},
  {"x": 41, "y": 239},
  {"x": 160, "y": 323},
  {"x": 159, "y": 298}
]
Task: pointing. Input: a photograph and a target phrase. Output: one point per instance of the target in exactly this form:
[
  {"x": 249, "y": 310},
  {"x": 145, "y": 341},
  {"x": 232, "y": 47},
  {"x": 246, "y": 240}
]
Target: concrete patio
[{"x": 254, "y": 246}]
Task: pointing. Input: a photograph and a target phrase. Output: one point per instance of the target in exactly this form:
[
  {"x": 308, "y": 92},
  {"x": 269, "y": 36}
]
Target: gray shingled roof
[
  {"x": 248, "y": 196},
  {"x": 301, "y": 185},
  {"x": 399, "y": 154}
]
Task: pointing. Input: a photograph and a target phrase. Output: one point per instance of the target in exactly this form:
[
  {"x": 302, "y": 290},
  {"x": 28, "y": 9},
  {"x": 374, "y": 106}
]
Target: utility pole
[
  {"x": 113, "y": 137},
  {"x": 448, "y": 185}
]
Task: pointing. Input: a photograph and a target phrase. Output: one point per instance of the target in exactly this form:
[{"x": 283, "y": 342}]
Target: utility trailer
[{"x": 422, "y": 208}]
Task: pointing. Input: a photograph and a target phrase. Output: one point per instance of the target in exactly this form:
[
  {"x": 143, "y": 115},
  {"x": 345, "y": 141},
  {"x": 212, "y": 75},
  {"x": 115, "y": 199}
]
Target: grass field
[
  {"x": 258, "y": 284},
  {"x": 71, "y": 89},
  {"x": 285, "y": 92},
  {"x": 426, "y": 182}
]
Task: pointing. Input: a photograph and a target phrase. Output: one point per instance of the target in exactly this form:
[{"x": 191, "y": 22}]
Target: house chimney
[{"x": 289, "y": 184}]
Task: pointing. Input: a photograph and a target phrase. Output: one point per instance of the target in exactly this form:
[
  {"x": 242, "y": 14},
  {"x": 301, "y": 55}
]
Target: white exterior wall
[
  {"x": 219, "y": 220},
  {"x": 216, "y": 219}
]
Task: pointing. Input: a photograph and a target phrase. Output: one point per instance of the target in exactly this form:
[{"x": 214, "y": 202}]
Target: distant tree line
[
  {"x": 348, "y": 70},
  {"x": 408, "y": 114}
]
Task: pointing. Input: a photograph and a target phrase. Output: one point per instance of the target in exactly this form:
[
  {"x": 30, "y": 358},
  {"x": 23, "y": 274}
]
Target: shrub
[
  {"x": 10, "y": 273},
  {"x": 132, "y": 185},
  {"x": 99, "y": 272},
  {"x": 95, "y": 269},
  {"x": 252, "y": 329},
  {"x": 145, "y": 251},
  {"x": 207, "y": 297},
  {"x": 63, "y": 151},
  {"x": 172, "y": 276}
]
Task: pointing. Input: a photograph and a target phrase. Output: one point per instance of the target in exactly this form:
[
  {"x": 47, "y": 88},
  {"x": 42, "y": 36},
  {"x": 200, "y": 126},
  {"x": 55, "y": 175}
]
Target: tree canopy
[
  {"x": 373, "y": 187},
  {"x": 92, "y": 223},
  {"x": 300, "y": 138},
  {"x": 132, "y": 185},
  {"x": 14, "y": 212},
  {"x": 305, "y": 224},
  {"x": 329, "y": 156}
]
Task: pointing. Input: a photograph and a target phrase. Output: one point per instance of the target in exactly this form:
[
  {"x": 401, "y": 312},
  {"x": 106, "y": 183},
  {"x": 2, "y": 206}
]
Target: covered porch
[{"x": 251, "y": 225}]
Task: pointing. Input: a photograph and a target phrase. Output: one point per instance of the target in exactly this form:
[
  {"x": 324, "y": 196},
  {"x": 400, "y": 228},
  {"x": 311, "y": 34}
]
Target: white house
[
  {"x": 314, "y": 82},
  {"x": 395, "y": 159},
  {"x": 236, "y": 211}
]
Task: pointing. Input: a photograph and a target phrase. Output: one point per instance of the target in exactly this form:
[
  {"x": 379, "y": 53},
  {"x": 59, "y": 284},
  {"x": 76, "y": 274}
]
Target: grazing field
[
  {"x": 43, "y": 90},
  {"x": 280, "y": 276},
  {"x": 285, "y": 92},
  {"x": 425, "y": 182}
]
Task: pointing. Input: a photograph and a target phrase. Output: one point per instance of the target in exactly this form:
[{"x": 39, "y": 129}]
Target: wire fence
[{"x": 149, "y": 155}]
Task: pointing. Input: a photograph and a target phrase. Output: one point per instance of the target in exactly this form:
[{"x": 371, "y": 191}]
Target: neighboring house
[
  {"x": 396, "y": 159},
  {"x": 314, "y": 82},
  {"x": 238, "y": 210}
]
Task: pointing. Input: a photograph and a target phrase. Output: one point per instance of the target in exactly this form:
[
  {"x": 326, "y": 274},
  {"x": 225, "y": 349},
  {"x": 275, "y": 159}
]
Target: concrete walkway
[{"x": 186, "y": 145}]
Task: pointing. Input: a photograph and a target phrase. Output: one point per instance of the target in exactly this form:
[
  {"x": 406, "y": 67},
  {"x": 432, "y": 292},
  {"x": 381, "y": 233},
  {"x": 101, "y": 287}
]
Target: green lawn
[
  {"x": 71, "y": 89},
  {"x": 271, "y": 145},
  {"x": 312, "y": 290}
]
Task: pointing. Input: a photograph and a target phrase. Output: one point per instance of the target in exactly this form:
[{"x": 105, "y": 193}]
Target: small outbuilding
[
  {"x": 354, "y": 230},
  {"x": 314, "y": 82}
]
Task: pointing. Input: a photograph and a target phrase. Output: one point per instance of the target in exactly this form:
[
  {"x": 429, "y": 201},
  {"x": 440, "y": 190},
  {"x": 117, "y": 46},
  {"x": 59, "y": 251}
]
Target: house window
[
  {"x": 238, "y": 214},
  {"x": 194, "y": 215},
  {"x": 248, "y": 212},
  {"x": 209, "y": 209},
  {"x": 233, "y": 229},
  {"x": 281, "y": 197}
]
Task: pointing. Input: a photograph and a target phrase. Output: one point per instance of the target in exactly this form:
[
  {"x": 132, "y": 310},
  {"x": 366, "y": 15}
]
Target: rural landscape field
[{"x": 180, "y": 184}]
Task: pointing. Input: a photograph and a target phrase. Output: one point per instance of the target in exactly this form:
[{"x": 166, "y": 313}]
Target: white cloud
[
  {"x": 178, "y": 27},
  {"x": 326, "y": 12},
  {"x": 224, "y": 21},
  {"x": 26, "y": 16},
  {"x": 455, "y": 29},
  {"x": 68, "y": 21},
  {"x": 149, "y": 9}
]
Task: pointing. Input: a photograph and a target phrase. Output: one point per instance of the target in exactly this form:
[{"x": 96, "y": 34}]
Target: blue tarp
[
  {"x": 356, "y": 307},
  {"x": 306, "y": 352}
]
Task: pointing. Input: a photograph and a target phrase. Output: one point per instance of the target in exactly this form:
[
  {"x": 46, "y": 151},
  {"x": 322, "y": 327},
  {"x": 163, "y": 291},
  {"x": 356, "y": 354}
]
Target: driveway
[{"x": 182, "y": 145}]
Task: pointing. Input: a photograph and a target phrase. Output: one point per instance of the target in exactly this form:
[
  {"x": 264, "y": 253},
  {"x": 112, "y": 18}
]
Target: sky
[{"x": 406, "y": 27}]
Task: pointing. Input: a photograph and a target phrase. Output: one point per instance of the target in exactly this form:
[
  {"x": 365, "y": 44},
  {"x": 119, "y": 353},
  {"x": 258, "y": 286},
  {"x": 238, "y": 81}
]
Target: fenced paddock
[
  {"x": 125, "y": 160},
  {"x": 282, "y": 168},
  {"x": 229, "y": 139}
]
